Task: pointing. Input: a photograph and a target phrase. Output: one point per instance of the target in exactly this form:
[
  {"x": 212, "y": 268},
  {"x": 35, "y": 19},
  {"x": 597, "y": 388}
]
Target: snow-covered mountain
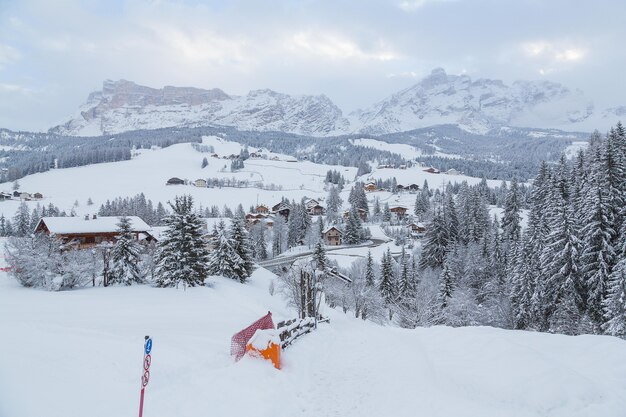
[
  {"x": 477, "y": 106},
  {"x": 123, "y": 105}
]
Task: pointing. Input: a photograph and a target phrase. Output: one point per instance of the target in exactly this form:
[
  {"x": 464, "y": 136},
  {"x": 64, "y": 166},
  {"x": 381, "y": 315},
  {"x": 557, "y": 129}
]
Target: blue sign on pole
[{"x": 148, "y": 346}]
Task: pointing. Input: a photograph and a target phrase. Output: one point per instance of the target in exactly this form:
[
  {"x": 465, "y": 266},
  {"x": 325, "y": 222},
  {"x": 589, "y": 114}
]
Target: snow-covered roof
[
  {"x": 328, "y": 229},
  {"x": 104, "y": 224}
]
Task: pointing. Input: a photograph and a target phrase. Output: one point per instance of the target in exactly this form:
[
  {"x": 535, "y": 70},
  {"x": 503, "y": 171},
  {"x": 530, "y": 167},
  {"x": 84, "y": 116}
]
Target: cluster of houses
[
  {"x": 371, "y": 187},
  {"x": 200, "y": 182},
  {"x": 264, "y": 215},
  {"x": 20, "y": 195}
]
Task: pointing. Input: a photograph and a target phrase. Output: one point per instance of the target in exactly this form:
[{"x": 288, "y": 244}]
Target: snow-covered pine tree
[
  {"x": 598, "y": 254},
  {"x": 21, "y": 221},
  {"x": 436, "y": 242},
  {"x": 319, "y": 256},
  {"x": 560, "y": 261},
  {"x": 241, "y": 246},
  {"x": 511, "y": 220},
  {"x": 279, "y": 235},
  {"x": 224, "y": 259},
  {"x": 422, "y": 204},
  {"x": 386, "y": 213},
  {"x": 182, "y": 252},
  {"x": 387, "y": 284},
  {"x": 353, "y": 232},
  {"x": 446, "y": 285},
  {"x": 369, "y": 270},
  {"x": 407, "y": 286},
  {"x": 125, "y": 256}
]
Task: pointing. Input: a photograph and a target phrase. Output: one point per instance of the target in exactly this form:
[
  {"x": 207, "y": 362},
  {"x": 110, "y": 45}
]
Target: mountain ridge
[{"x": 476, "y": 106}]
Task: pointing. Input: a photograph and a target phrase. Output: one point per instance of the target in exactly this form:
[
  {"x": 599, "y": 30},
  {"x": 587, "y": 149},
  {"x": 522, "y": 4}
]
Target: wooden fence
[{"x": 292, "y": 329}]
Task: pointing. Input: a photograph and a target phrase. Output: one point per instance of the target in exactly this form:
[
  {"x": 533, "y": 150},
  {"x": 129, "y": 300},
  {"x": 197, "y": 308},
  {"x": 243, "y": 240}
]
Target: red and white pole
[{"x": 145, "y": 377}]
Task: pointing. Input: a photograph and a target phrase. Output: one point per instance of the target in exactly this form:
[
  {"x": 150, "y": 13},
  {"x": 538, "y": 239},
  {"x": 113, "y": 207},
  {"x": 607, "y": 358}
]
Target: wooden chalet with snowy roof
[
  {"x": 200, "y": 182},
  {"x": 282, "y": 208},
  {"x": 370, "y": 187},
  {"x": 262, "y": 208},
  {"x": 398, "y": 211},
  {"x": 362, "y": 214},
  {"x": 332, "y": 236},
  {"x": 416, "y": 228},
  {"x": 89, "y": 231}
]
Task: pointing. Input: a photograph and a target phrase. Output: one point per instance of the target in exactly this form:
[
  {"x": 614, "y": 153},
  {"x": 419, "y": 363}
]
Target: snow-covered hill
[
  {"x": 78, "y": 353},
  {"x": 148, "y": 171},
  {"x": 477, "y": 106}
]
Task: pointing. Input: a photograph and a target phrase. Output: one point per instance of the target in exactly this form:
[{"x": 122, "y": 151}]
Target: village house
[
  {"x": 398, "y": 211},
  {"x": 316, "y": 210},
  {"x": 283, "y": 209},
  {"x": 362, "y": 214},
  {"x": 5, "y": 196},
  {"x": 200, "y": 183},
  {"x": 38, "y": 196},
  {"x": 175, "y": 181},
  {"x": 412, "y": 187},
  {"x": 25, "y": 196},
  {"x": 452, "y": 171},
  {"x": 16, "y": 194},
  {"x": 370, "y": 187},
  {"x": 432, "y": 170},
  {"x": 89, "y": 231},
  {"x": 416, "y": 228},
  {"x": 262, "y": 208},
  {"x": 332, "y": 236}
]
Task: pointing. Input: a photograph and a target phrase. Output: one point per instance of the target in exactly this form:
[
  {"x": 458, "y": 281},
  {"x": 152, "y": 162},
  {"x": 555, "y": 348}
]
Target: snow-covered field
[
  {"x": 79, "y": 353},
  {"x": 148, "y": 171}
]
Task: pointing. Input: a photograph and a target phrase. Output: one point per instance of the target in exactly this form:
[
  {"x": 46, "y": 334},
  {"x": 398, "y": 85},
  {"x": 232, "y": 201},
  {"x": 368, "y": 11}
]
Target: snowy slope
[
  {"x": 79, "y": 353},
  {"x": 148, "y": 171}
]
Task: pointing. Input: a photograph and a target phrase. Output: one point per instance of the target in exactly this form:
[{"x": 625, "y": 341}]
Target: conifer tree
[
  {"x": 182, "y": 253},
  {"x": 21, "y": 221},
  {"x": 319, "y": 256},
  {"x": 241, "y": 245},
  {"x": 387, "y": 285},
  {"x": 353, "y": 232},
  {"x": 446, "y": 285},
  {"x": 511, "y": 220},
  {"x": 386, "y": 213},
  {"x": 369, "y": 270},
  {"x": 125, "y": 256},
  {"x": 598, "y": 253},
  {"x": 436, "y": 242},
  {"x": 224, "y": 259}
]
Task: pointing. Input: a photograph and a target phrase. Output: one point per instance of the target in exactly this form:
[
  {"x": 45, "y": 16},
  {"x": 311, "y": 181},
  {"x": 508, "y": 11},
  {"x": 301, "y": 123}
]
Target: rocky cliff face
[
  {"x": 123, "y": 106},
  {"x": 477, "y": 106}
]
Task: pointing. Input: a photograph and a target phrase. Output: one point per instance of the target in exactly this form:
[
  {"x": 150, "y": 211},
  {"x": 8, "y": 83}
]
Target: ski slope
[{"x": 79, "y": 353}]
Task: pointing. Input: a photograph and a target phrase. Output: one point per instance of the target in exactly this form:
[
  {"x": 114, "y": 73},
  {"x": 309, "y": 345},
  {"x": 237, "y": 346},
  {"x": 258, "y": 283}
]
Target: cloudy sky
[{"x": 53, "y": 53}]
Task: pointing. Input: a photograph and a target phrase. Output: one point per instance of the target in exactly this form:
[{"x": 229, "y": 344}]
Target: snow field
[{"x": 79, "y": 353}]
